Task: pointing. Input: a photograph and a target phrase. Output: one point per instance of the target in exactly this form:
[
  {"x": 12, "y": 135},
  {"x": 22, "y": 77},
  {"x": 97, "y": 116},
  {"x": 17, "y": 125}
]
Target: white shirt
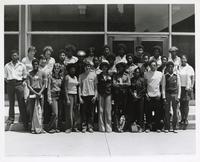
[
  {"x": 28, "y": 63},
  {"x": 50, "y": 64},
  {"x": 72, "y": 85},
  {"x": 185, "y": 73},
  {"x": 90, "y": 59},
  {"x": 17, "y": 71},
  {"x": 71, "y": 60},
  {"x": 120, "y": 59},
  {"x": 176, "y": 61},
  {"x": 154, "y": 80},
  {"x": 158, "y": 60}
]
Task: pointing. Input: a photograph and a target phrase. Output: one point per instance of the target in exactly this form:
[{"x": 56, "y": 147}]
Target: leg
[
  {"x": 167, "y": 112},
  {"x": 107, "y": 109},
  {"x": 54, "y": 117},
  {"x": 148, "y": 113},
  {"x": 140, "y": 112},
  {"x": 84, "y": 114},
  {"x": 101, "y": 114},
  {"x": 175, "y": 112},
  {"x": 90, "y": 113},
  {"x": 11, "y": 98},
  {"x": 158, "y": 113}
]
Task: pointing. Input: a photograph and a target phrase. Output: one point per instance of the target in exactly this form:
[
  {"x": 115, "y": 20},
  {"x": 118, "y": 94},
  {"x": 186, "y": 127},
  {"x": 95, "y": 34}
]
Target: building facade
[{"x": 87, "y": 25}]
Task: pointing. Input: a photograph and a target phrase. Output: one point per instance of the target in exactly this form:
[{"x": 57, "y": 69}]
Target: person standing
[
  {"x": 70, "y": 54},
  {"x": 174, "y": 58},
  {"x": 53, "y": 92},
  {"x": 187, "y": 83},
  {"x": 112, "y": 69},
  {"x": 121, "y": 51},
  {"x": 145, "y": 66},
  {"x": 48, "y": 51},
  {"x": 171, "y": 92},
  {"x": 130, "y": 66},
  {"x": 72, "y": 109},
  {"x": 162, "y": 68},
  {"x": 36, "y": 82},
  {"x": 106, "y": 53},
  {"x": 154, "y": 80},
  {"x": 90, "y": 54},
  {"x": 105, "y": 105},
  {"x": 15, "y": 75},
  {"x": 87, "y": 97},
  {"x": 138, "y": 57},
  {"x": 80, "y": 63}
]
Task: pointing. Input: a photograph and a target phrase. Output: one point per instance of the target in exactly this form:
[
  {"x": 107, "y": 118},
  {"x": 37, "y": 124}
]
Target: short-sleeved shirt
[
  {"x": 38, "y": 80},
  {"x": 28, "y": 63},
  {"x": 130, "y": 69},
  {"x": 88, "y": 83},
  {"x": 176, "y": 61},
  {"x": 17, "y": 71},
  {"x": 71, "y": 60},
  {"x": 185, "y": 73},
  {"x": 154, "y": 80},
  {"x": 120, "y": 59},
  {"x": 50, "y": 64},
  {"x": 158, "y": 60}
]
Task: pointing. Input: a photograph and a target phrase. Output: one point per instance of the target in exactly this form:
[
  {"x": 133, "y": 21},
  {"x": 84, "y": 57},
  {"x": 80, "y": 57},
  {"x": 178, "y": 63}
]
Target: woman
[
  {"x": 36, "y": 82},
  {"x": 48, "y": 51},
  {"x": 137, "y": 91},
  {"x": 105, "y": 106},
  {"x": 72, "y": 112},
  {"x": 53, "y": 90},
  {"x": 187, "y": 82}
]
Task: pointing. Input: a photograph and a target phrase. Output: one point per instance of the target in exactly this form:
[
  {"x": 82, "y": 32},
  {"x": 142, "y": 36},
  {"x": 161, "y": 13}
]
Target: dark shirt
[
  {"x": 104, "y": 84},
  {"x": 79, "y": 68},
  {"x": 138, "y": 85},
  {"x": 171, "y": 83}
]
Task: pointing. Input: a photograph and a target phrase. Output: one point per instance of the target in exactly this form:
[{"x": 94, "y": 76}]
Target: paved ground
[{"x": 99, "y": 144}]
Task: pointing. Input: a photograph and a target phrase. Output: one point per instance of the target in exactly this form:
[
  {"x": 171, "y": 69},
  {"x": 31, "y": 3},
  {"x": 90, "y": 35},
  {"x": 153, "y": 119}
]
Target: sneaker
[
  {"x": 175, "y": 131},
  {"x": 147, "y": 130},
  {"x": 68, "y": 131},
  {"x": 57, "y": 131},
  {"x": 166, "y": 131},
  {"x": 158, "y": 130},
  {"x": 52, "y": 131},
  {"x": 90, "y": 130},
  {"x": 83, "y": 130},
  {"x": 76, "y": 130},
  {"x": 9, "y": 122}
]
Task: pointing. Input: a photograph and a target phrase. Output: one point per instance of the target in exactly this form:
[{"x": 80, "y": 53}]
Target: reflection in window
[
  {"x": 11, "y": 18},
  {"x": 186, "y": 45},
  {"x": 67, "y": 17},
  {"x": 139, "y": 18},
  {"x": 59, "y": 41},
  {"x": 183, "y": 18}
]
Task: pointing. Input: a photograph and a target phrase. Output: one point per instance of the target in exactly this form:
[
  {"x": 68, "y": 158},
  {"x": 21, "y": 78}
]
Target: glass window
[
  {"x": 131, "y": 17},
  {"x": 183, "y": 18},
  {"x": 58, "y": 42},
  {"x": 186, "y": 45},
  {"x": 10, "y": 43},
  {"x": 67, "y": 17},
  {"x": 11, "y": 18}
]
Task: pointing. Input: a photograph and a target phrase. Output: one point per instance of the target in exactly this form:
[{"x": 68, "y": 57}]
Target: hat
[
  {"x": 173, "y": 48},
  {"x": 48, "y": 48},
  {"x": 123, "y": 64},
  {"x": 81, "y": 53},
  {"x": 103, "y": 63}
]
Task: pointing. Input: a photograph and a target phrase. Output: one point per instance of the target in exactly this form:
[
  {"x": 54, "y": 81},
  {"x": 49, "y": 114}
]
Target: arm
[
  {"x": 5, "y": 74},
  {"x": 66, "y": 92},
  {"x": 80, "y": 91},
  {"x": 163, "y": 87},
  {"x": 95, "y": 89},
  {"x": 179, "y": 86},
  {"x": 49, "y": 90},
  {"x": 29, "y": 86}
]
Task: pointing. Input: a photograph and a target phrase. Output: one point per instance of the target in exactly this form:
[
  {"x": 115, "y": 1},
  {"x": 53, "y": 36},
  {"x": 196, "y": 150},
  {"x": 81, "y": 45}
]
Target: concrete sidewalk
[{"x": 99, "y": 144}]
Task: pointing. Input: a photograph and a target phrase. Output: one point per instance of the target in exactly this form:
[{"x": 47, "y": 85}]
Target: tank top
[{"x": 72, "y": 85}]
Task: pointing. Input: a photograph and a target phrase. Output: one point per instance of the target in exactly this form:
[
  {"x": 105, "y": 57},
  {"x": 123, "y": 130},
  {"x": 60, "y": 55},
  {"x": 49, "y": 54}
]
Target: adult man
[
  {"x": 154, "y": 80},
  {"x": 138, "y": 57},
  {"x": 157, "y": 55},
  {"x": 121, "y": 50},
  {"x": 14, "y": 75},
  {"x": 162, "y": 68},
  {"x": 174, "y": 58}
]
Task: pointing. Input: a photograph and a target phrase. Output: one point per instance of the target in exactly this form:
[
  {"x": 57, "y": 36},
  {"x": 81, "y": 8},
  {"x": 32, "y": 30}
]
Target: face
[
  {"x": 31, "y": 53},
  {"x": 170, "y": 68},
  {"x": 121, "y": 52},
  {"x": 146, "y": 59},
  {"x": 96, "y": 61},
  {"x": 156, "y": 53},
  {"x": 104, "y": 68},
  {"x": 15, "y": 56},
  {"x": 62, "y": 56},
  {"x": 173, "y": 53},
  {"x": 183, "y": 60},
  {"x": 88, "y": 68},
  {"x": 69, "y": 53},
  {"x": 43, "y": 62},
  {"x": 153, "y": 66},
  {"x": 47, "y": 54},
  {"x": 164, "y": 60},
  {"x": 72, "y": 70},
  {"x": 107, "y": 50},
  {"x": 81, "y": 58},
  {"x": 137, "y": 73},
  {"x": 140, "y": 51},
  {"x": 91, "y": 51},
  {"x": 120, "y": 69},
  {"x": 129, "y": 59},
  {"x": 35, "y": 66}
]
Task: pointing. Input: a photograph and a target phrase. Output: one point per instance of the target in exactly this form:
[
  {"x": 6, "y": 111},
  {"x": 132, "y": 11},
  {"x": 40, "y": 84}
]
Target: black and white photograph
[{"x": 99, "y": 79}]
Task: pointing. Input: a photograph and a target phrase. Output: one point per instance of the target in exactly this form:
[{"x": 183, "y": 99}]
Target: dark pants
[
  {"x": 87, "y": 112},
  {"x": 154, "y": 105},
  {"x": 16, "y": 88},
  {"x": 47, "y": 109},
  {"x": 171, "y": 98},
  {"x": 184, "y": 104},
  {"x": 136, "y": 112}
]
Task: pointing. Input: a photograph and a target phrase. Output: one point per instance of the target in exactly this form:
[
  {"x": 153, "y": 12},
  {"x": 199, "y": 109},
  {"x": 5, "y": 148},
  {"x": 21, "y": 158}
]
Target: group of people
[{"x": 108, "y": 92}]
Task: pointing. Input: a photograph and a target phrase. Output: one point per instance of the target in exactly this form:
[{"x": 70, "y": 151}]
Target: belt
[{"x": 14, "y": 81}]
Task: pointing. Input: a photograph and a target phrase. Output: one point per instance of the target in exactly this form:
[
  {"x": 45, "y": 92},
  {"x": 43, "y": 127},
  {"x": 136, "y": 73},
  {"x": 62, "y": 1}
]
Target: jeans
[
  {"x": 87, "y": 112},
  {"x": 171, "y": 98},
  {"x": 184, "y": 104},
  {"x": 105, "y": 107},
  {"x": 16, "y": 88}
]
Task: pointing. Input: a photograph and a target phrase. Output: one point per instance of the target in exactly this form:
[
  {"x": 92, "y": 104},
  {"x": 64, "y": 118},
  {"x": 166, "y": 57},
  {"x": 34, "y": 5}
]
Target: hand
[
  {"x": 177, "y": 100},
  {"x": 68, "y": 102},
  {"x": 50, "y": 101},
  {"x": 164, "y": 100},
  {"x": 93, "y": 99},
  {"x": 24, "y": 83},
  {"x": 81, "y": 100}
]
